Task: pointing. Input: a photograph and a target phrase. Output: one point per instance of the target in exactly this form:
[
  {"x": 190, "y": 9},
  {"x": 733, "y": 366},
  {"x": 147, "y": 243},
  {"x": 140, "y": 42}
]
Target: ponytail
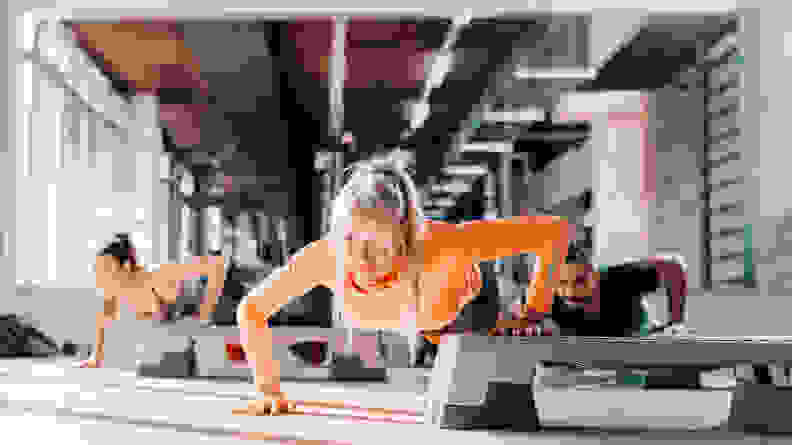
[{"x": 122, "y": 249}]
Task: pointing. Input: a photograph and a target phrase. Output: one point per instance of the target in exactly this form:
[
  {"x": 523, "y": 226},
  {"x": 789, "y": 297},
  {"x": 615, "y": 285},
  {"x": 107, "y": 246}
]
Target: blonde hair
[{"x": 382, "y": 182}]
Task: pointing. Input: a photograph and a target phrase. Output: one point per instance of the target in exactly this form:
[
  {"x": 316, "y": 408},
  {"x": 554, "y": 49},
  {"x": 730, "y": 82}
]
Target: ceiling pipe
[
  {"x": 441, "y": 66},
  {"x": 507, "y": 72},
  {"x": 338, "y": 75}
]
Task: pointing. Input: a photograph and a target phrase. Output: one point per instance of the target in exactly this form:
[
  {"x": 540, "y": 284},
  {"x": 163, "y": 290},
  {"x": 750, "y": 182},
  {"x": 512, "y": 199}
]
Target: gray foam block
[
  {"x": 212, "y": 361},
  {"x": 352, "y": 368},
  {"x": 141, "y": 344}
]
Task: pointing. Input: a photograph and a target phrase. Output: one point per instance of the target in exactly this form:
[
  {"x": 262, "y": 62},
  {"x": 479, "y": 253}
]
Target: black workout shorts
[{"x": 622, "y": 289}]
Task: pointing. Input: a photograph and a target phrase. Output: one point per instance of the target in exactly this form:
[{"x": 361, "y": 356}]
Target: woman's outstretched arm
[
  {"x": 314, "y": 265},
  {"x": 109, "y": 288}
]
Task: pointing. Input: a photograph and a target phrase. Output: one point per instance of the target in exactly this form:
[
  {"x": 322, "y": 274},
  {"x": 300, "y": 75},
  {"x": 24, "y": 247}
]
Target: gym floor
[{"x": 48, "y": 400}]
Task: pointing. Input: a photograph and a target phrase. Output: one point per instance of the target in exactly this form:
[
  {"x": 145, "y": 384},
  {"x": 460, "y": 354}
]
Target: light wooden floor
[{"x": 47, "y": 400}]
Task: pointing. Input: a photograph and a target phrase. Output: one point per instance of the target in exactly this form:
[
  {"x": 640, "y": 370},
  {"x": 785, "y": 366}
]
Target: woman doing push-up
[
  {"x": 150, "y": 293},
  {"x": 391, "y": 268}
]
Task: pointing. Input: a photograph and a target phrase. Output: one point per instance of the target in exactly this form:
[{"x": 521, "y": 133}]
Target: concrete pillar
[
  {"x": 174, "y": 212},
  {"x": 213, "y": 221},
  {"x": 187, "y": 219},
  {"x": 507, "y": 286},
  {"x": 337, "y": 78},
  {"x": 145, "y": 142},
  {"x": 619, "y": 148}
]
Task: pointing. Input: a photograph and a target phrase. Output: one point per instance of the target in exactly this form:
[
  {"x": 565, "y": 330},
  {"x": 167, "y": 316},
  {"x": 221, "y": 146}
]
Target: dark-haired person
[
  {"x": 609, "y": 302},
  {"x": 147, "y": 294}
]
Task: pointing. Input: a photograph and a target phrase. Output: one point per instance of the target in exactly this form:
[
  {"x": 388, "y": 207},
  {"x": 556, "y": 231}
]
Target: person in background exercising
[
  {"x": 147, "y": 293},
  {"x": 610, "y": 303}
]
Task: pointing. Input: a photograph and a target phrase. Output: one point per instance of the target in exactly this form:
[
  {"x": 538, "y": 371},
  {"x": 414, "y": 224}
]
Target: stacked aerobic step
[{"x": 186, "y": 348}]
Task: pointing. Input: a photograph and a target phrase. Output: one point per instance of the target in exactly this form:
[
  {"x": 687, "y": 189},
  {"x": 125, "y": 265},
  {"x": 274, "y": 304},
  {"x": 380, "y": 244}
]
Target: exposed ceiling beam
[
  {"x": 502, "y": 74},
  {"x": 442, "y": 64},
  {"x": 494, "y": 49}
]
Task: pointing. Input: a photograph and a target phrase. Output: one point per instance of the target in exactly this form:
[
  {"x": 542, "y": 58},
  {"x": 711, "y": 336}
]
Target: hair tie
[{"x": 133, "y": 256}]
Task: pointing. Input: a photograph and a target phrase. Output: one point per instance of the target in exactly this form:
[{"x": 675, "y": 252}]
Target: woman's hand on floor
[
  {"x": 268, "y": 405},
  {"x": 91, "y": 363}
]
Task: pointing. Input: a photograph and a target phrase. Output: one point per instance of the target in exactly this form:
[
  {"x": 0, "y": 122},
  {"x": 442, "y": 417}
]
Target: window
[
  {"x": 28, "y": 81},
  {"x": 728, "y": 260}
]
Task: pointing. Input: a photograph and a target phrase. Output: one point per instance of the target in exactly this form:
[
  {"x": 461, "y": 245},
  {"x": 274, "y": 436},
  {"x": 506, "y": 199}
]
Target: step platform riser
[{"x": 189, "y": 350}]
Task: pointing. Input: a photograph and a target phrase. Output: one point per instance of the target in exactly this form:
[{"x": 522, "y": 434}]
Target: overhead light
[
  {"x": 443, "y": 202},
  {"x": 556, "y": 73},
  {"x": 487, "y": 147},
  {"x": 465, "y": 170},
  {"x": 530, "y": 114},
  {"x": 418, "y": 112},
  {"x": 456, "y": 187},
  {"x": 443, "y": 62}
]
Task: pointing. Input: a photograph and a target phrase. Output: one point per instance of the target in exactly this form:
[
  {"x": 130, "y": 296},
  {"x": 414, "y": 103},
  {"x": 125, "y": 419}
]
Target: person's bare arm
[
  {"x": 211, "y": 267},
  {"x": 314, "y": 265},
  {"x": 109, "y": 287},
  {"x": 103, "y": 320}
]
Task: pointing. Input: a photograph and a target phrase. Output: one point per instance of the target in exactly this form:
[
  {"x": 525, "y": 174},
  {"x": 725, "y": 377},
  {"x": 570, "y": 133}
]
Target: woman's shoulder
[
  {"x": 317, "y": 256},
  {"x": 434, "y": 227}
]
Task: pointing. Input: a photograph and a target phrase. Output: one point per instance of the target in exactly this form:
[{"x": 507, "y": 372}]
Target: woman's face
[{"x": 374, "y": 244}]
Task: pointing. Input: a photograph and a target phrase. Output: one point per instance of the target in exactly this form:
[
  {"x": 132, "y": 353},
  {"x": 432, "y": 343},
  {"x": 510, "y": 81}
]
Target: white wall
[
  {"x": 611, "y": 164},
  {"x": 620, "y": 217},
  {"x": 69, "y": 207}
]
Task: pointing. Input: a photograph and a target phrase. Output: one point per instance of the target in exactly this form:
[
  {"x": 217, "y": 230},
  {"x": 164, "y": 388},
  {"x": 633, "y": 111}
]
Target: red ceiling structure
[
  {"x": 152, "y": 56},
  {"x": 375, "y": 51}
]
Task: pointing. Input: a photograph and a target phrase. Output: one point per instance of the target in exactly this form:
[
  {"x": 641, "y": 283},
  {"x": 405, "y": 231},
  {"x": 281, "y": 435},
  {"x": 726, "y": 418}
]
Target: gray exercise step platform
[
  {"x": 213, "y": 362},
  {"x": 186, "y": 348},
  {"x": 487, "y": 382},
  {"x": 151, "y": 349}
]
